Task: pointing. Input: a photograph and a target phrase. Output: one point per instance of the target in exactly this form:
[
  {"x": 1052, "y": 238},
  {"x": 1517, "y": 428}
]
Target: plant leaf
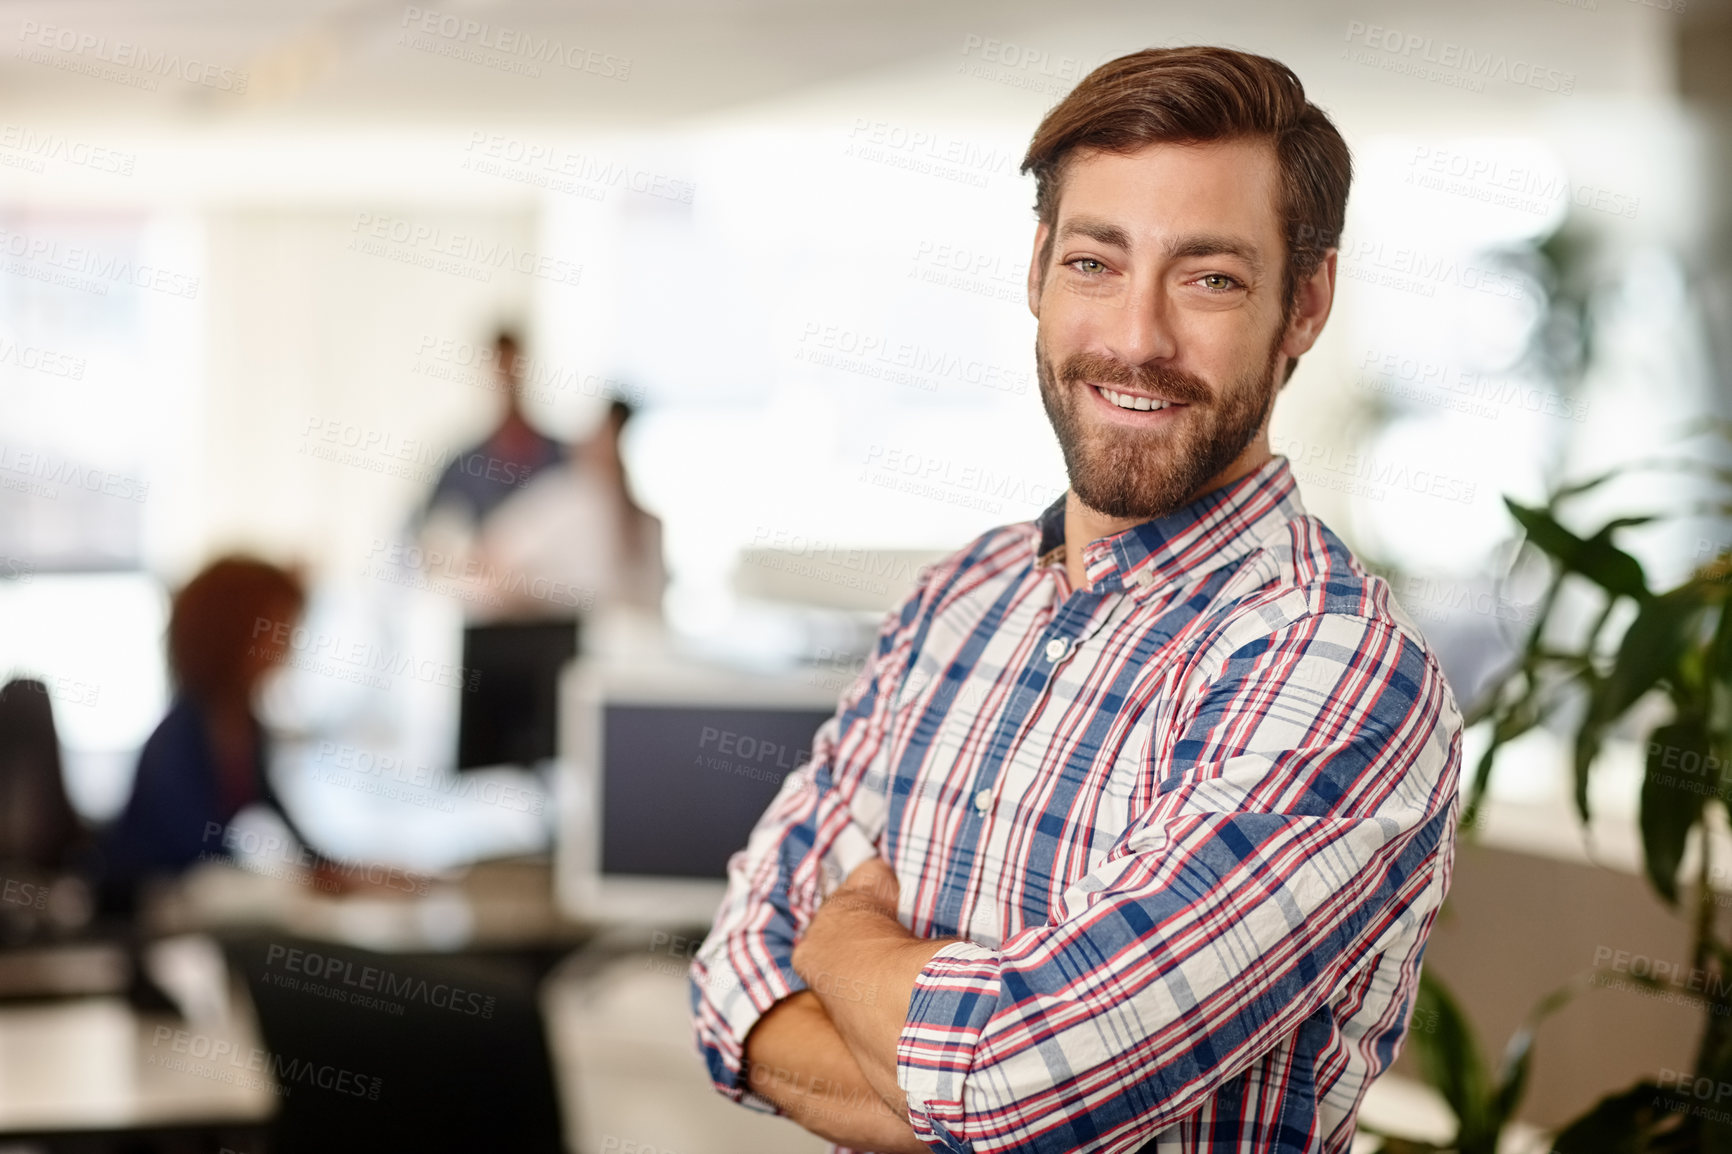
[
  {"x": 1515, "y": 1076},
  {"x": 1651, "y": 651},
  {"x": 1595, "y": 558},
  {"x": 1617, "y": 1123},
  {"x": 1522, "y": 716},
  {"x": 1718, "y": 659},
  {"x": 1679, "y": 757},
  {"x": 1715, "y": 1063},
  {"x": 1450, "y": 1060},
  {"x": 1593, "y": 482},
  {"x": 1517, "y": 1056}
]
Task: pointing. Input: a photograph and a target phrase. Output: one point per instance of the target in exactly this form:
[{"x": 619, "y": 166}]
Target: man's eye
[
  {"x": 1088, "y": 265},
  {"x": 1218, "y": 282}
]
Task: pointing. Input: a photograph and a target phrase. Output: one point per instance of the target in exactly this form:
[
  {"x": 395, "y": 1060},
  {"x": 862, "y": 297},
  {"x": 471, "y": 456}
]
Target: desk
[
  {"x": 82, "y": 1065},
  {"x": 490, "y": 905},
  {"x": 91, "y": 1064},
  {"x": 616, "y": 1017},
  {"x": 621, "y": 1044}
]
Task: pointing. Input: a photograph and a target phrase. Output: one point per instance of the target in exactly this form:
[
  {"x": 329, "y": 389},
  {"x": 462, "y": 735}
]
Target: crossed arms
[
  {"x": 1300, "y": 830},
  {"x": 838, "y": 1031}
]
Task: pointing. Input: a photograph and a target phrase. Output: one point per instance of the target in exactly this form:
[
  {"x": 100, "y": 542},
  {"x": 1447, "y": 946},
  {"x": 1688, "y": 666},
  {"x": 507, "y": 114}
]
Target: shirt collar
[{"x": 1216, "y": 529}]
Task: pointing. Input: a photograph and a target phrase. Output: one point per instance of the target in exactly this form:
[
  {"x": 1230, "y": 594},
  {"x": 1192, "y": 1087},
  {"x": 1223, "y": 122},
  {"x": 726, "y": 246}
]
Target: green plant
[
  {"x": 1677, "y": 644},
  {"x": 1484, "y": 1101}
]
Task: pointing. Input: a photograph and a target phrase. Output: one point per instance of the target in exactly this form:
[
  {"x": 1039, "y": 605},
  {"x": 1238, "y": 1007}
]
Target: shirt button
[
  {"x": 983, "y": 800},
  {"x": 1056, "y": 648}
]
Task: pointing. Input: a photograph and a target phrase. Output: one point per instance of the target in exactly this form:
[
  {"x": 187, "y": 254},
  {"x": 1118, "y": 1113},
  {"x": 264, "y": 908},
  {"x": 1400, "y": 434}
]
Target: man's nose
[{"x": 1142, "y": 330}]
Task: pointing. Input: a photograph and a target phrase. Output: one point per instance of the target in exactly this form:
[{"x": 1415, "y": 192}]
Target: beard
[{"x": 1148, "y": 473}]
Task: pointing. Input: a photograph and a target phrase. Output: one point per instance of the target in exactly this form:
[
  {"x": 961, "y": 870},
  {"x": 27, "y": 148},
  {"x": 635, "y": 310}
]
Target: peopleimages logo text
[
  {"x": 425, "y": 243},
  {"x": 515, "y": 42},
  {"x": 372, "y": 979},
  {"x": 125, "y": 54},
  {"x": 1457, "y": 57}
]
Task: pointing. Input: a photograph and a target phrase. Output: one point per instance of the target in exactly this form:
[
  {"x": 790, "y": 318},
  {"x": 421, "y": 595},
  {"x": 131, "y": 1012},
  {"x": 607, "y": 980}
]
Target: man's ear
[
  {"x": 1313, "y": 300},
  {"x": 1037, "y": 268}
]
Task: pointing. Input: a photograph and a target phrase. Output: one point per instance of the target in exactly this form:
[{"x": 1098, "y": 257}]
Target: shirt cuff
[
  {"x": 955, "y": 994},
  {"x": 726, "y": 1007}
]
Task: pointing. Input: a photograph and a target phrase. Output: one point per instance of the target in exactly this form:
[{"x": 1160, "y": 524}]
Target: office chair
[
  {"x": 463, "y": 1067},
  {"x": 40, "y": 834}
]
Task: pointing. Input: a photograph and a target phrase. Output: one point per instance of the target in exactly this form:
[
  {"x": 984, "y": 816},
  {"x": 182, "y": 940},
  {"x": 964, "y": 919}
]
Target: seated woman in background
[{"x": 206, "y": 761}]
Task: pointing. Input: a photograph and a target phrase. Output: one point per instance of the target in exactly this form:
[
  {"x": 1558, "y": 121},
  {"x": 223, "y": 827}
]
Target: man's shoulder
[
  {"x": 1303, "y": 573},
  {"x": 998, "y": 551},
  {"x": 1311, "y": 622}
]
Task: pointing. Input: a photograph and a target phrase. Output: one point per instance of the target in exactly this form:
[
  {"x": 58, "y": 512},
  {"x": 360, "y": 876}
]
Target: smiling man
[{"x": 1131, "y": 833}]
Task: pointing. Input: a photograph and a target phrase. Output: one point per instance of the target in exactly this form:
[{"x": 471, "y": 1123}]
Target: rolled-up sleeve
[
  {"x": 825, "y": 820},
  {"x": 1302, "y": 822}
]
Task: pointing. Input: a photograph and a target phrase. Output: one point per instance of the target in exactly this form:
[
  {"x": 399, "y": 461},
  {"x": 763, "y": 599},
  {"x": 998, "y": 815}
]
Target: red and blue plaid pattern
[{"x": 1194, "y": 824}]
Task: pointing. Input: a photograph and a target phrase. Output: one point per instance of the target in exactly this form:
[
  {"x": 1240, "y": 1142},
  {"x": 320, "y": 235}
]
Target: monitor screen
[
  {"x": 509, "y": 711},
  {"x": 682, "y": 784}
]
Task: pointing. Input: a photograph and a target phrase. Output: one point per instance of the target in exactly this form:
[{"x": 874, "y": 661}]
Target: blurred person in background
[
  {"x": 575, "y": 538},
  {"x": 480, "y": 479},
  {"x": 206, "y": 760}
]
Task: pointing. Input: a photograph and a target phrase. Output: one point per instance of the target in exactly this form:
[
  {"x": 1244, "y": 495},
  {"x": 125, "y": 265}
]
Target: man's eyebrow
[
  {"x": 1204, "y": 244},
  {"x": 1096, "y": 229},
  {"x": 1214, "y": 245}
]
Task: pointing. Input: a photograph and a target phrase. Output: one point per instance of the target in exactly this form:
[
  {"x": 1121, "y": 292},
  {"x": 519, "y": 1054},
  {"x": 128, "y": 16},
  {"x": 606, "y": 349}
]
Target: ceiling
[{"x": 339, "y": 62}]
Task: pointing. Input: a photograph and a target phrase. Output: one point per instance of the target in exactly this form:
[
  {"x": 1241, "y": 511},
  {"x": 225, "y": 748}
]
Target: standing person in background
[
  {"x": 479, "y": 479},
  {"x": 637, "y": 573},
  {"x": 206, "y": 760},
  {"x": 578, "y": 536}
]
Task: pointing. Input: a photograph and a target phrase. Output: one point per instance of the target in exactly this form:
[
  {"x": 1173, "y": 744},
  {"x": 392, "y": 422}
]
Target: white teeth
[{"x": 1141, "y": 404}]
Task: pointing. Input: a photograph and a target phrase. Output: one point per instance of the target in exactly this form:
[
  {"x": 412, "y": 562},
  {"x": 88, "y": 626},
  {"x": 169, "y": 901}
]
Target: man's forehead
[
  {"x": 1190, "y": 185},
  {"x": 1239, "y": 153}
]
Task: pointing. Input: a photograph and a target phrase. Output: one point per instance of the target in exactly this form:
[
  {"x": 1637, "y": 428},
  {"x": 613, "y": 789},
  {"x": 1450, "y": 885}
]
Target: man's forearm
[
  {"x": 796, "y": 1058},
  {"x": 853, "y": 946}
]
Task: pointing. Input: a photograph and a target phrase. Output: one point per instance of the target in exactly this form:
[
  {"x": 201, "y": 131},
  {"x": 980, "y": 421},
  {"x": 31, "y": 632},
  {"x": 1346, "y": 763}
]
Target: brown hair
[
  {"x": 1192, "y": 95},
  {"x": 235, "y": 609}
]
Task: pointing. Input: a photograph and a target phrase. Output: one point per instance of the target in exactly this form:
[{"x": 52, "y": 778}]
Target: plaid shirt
[{"x": 1194, "y": 824}]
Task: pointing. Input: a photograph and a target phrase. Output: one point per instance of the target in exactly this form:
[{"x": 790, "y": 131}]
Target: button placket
[
  {"x": 974, "y": 818},
  {"x": 1058, "y": 649}
]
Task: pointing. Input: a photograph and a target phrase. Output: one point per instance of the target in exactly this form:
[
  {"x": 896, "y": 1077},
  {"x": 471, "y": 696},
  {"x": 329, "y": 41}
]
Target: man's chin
[
  {"x": 1125, "y": 509},
  {"x": 1143, "y": 484},
  {"x": 1143, "y": 500}
]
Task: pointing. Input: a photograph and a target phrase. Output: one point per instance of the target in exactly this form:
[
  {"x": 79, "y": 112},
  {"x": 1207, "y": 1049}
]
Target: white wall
[{"x": 316, "y": 346}]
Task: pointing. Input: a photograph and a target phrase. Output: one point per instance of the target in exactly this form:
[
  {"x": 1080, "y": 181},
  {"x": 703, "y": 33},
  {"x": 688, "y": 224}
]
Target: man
[
  {"x": 483, "y": 476},
  {"x": 1141, "y": 811},
  {"x": 456, "y": 529}
]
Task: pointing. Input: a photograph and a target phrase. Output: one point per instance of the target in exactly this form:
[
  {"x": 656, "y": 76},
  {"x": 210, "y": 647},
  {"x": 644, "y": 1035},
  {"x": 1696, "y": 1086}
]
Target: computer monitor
[
  {"x": 509, "y": 705},
  {"x": 667, "y": 770}
]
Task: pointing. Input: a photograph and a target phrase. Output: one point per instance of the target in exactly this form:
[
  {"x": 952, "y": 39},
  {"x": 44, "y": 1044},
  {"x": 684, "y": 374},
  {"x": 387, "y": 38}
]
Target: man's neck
[{"x": 1083, "y": 525}]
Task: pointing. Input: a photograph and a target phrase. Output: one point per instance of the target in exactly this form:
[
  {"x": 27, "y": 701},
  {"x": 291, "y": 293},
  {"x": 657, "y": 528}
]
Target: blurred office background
[{"x": 255, "y": 255}]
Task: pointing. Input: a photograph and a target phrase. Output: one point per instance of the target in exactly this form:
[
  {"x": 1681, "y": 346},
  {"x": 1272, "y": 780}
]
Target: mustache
[{"x": 1161, "y": 380}]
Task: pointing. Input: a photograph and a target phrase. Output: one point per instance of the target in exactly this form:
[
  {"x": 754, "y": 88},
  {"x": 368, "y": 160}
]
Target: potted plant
[{"x": 1589, "y": 675}]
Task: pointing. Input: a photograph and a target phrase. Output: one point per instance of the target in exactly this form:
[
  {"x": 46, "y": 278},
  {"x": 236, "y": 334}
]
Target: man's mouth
[{"x": 1135, "y": 402}]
